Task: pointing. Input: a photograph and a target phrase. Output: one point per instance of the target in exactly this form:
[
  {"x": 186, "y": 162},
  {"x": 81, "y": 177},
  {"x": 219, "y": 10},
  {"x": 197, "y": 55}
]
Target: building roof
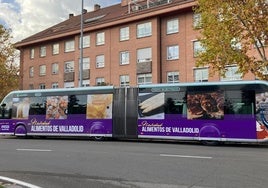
[{"x": 105, "y": 17}]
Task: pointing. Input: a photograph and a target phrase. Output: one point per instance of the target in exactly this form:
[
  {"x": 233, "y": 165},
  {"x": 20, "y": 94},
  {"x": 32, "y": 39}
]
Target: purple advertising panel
[
  {"x": 94, "y": 117},
  {"x": 76, "y": 125},
  {"x": 6, "y": 128},
  {"x": 180, "y": 127},
  {"x": 200, "y": 117}
]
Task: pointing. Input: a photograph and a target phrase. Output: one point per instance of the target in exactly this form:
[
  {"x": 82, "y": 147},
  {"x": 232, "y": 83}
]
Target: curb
[{"x": 6, "y": 182}]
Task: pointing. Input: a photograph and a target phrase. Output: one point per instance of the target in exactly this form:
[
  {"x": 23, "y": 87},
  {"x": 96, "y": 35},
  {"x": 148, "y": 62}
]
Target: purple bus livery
[{"x": 209, "y": 112}]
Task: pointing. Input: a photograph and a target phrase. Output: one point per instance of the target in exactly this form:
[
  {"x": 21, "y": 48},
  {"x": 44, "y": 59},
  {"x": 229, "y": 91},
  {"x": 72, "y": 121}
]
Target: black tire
[
  {"x": 210, "y": 143},
  {"x": 99, "y": 138}
]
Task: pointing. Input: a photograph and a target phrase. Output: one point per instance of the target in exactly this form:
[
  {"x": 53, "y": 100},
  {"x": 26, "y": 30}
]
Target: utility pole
[{"x": 81, "y": 46}]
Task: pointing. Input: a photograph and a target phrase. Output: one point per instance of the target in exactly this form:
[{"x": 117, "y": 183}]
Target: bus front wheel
[{"x": 20, "y": 131}]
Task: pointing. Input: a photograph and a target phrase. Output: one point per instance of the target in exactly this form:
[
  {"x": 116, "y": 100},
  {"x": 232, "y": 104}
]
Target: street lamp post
[{"x": 81, "y": 46}]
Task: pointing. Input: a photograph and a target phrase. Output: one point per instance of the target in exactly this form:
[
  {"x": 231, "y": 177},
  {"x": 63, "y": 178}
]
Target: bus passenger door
[{"x": 125, "y": 113}]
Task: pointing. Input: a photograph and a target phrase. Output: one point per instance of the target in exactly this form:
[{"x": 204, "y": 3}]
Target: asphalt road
[{"x": 58, "y": 163}]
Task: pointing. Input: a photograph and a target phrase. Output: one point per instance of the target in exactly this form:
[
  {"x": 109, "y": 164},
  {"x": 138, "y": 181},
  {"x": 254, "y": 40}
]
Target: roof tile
[{"x": 110, "y": 14}]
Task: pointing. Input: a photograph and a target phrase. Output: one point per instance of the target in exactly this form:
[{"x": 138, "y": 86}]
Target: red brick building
[{"x": 130, "y": 43}]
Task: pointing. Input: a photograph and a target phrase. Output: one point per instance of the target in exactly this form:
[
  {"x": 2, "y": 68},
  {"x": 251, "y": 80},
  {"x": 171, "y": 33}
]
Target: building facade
[{"x": 131, "y": 43}]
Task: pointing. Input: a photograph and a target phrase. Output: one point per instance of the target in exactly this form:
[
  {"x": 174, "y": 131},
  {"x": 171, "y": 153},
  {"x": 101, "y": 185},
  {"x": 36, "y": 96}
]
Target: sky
[{"x": 27, "y": 17}]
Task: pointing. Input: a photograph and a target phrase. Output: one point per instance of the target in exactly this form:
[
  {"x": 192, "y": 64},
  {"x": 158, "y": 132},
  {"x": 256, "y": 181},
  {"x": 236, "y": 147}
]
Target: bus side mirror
[{"x": 3, "y": 105}]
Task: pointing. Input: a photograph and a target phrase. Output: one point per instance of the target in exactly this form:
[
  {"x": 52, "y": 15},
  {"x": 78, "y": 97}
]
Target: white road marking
[
  {"x": 18, "y": 182},
  {"x": 185, "y": 156},
  {"x": 33, "y": 150}
]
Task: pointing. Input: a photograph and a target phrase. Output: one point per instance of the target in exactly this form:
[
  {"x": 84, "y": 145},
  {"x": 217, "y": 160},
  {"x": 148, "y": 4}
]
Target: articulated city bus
[{"x": 210, "y": 112}]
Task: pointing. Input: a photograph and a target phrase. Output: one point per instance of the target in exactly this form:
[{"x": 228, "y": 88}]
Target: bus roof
[
  {"x": 192, "y": 84},
  {"x": 93, "y": 88},
  {"x": 181, "y": 84}
]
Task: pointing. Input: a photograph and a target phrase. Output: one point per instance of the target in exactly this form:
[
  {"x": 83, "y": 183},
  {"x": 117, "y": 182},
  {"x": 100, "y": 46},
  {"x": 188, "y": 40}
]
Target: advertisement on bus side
[
  {"x": 63, "y": 115},
  {"x": 201, "y": 114}
]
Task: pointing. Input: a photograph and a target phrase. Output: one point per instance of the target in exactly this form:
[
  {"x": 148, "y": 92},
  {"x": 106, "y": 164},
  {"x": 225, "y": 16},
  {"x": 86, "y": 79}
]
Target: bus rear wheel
[
  {"x": 99, "y": 138},
  {"x": 210, "y": 142}
]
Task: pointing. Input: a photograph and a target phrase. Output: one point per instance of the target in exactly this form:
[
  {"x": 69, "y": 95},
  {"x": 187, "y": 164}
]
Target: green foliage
[
  {"x": 9, "y": 77},
  {"x": 231, "y": 31}
]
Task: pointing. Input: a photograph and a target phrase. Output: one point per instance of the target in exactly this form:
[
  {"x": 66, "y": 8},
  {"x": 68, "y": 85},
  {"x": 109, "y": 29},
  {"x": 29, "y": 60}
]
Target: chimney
[
  {"x": 71, "y": 15},
  {"x": 84, "y": 11},
  {"x": 124, "y": 2},
  {"x": 97, "y": 7}
]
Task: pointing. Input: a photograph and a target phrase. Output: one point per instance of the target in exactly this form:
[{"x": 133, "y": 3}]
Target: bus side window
[
  {"x": 240, "y": 102},
  {"x": 37, "y": 106},
  {"x": 184, "y": 109},
  {"x": 5, "y": 112},
  {"x": 246, "y": 108},
  {"x": 77, "y": 104},
  {"x": 6, "y": 108},
  {"x": 248, "y": 100},
  {"x": 171, "y": 108},
  {"x": 228, "y": 107},
  {"x": 175, "y": 103}
]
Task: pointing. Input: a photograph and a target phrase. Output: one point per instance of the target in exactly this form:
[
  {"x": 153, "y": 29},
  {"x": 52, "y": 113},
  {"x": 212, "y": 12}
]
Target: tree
[
  {"x": 234, "y": 32},
  {"x": 9, "y": 78}
]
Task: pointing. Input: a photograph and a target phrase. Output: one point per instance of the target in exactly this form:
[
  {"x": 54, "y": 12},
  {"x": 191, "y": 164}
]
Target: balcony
[
  {"x": 144, "y": 66},
  {"x": 68, "y": 76}
]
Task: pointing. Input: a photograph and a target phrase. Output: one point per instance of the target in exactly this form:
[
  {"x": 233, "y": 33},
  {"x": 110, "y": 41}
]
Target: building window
[
  {"x": 43, "y": 51},
  {"x": 31, "y": 72},
  {"x": 124, "y": 33},
  {"x": 172, "y": 52},
  {"x": 69, "y": 66},
  {"x": 198, "y": 48},
  {"x": 55, "y": 85},
  {"x": 231, "y": 74},
  {"x": 201, "y": 75},
  {"x": 173, "y": 26},
  {"x": 100, "y": 61},
  {"x": 31, "y": 53},
  {"x": 85, "y": 70},
  {"x": 124, "y": 80},
  {"x": 55, "y": 49},
  {"x": 144, "y": 55},
  {"x": 68, "y": 84},
  {"x": 31, "y": 86},
  {"x": 69, "y": 46},
  {"x": 55, "y": 68},
  {"x": 100, "y": 81},
  {"x": 144, "y": 79},
  {"x": 197, "y": 20},
  {"x": 144, "y": 30},
  {"x": 42, "y": 70},
  {"x": 85, "y": 83},
  {"x": 100, "y": 38},
  {"x": 124, "y": 58},
  {"x": 86, "y": 63},
  {"x": 172, "y": 77},
  {"x": 86, "y": 41},
  {"x": 42, "y": 86}
]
